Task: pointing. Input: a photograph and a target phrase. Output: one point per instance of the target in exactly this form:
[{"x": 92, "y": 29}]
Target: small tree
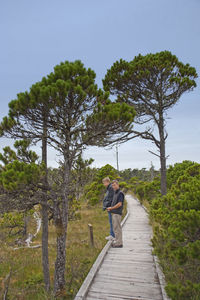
[
  {"x": 82, "y": 115},
  {"x": 152, "y": 84},
  {"x": 81, "y": 175},
  {"x": 27, "y": 119},
  {"x": 20, "y": 179}
]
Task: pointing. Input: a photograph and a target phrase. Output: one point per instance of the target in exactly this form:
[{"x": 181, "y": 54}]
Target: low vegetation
[
  {"x": 176, "y": 223},
  {"x": 23, "y": 266},
  {"x": 26, "y": 282}
]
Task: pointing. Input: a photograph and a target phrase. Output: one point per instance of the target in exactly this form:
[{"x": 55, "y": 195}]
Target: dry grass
[{"x": 27, "y": 280}]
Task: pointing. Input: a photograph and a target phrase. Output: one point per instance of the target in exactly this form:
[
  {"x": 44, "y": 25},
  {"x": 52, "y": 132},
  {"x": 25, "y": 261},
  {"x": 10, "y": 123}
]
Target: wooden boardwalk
[{"x": 128, "y": 272}]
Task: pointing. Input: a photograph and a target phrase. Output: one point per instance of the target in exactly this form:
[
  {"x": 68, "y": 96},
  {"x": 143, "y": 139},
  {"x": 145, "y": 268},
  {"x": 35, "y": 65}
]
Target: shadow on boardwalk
[{"x": 128, "y": 272}]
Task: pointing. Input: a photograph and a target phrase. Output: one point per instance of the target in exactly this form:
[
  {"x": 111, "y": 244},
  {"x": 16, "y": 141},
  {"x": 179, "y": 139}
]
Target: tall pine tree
[{"x": 153, "y": 84}]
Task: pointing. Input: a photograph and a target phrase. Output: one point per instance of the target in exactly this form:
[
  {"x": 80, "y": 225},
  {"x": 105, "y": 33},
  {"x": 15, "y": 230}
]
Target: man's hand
[{"x": 109, "y": 208}]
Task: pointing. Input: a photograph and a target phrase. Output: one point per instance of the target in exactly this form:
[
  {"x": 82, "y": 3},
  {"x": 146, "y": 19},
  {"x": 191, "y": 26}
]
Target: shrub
[{"x": 177, "y": 236}]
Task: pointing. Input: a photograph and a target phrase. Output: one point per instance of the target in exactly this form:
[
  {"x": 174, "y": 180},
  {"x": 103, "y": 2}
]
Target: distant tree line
[{"x": 142, "y": 174}]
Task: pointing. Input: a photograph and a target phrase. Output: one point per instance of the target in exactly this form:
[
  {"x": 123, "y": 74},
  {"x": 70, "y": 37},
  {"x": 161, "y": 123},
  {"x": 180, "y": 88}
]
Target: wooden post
[{"x": 91, "y": 234}]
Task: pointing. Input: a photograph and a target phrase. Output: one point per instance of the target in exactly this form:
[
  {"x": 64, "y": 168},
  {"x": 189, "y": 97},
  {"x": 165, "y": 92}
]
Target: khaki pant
[{"x": 116, "y": 220}]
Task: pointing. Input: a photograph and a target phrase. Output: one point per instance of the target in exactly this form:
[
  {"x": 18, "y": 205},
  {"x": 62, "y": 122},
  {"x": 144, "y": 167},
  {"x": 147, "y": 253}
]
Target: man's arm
[
  {"x": 114, "y": 207},
  {"x": 121, "y": 199}
]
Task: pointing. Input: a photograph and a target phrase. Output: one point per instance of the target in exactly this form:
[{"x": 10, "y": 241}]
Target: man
[
  {"x": 116, "y": 210},
  {"x": 107, "y": 202}
]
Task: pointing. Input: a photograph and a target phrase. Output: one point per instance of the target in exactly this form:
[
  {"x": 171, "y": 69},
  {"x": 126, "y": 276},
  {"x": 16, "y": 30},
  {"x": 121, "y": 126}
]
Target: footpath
[{"x": 127, "y": 273}]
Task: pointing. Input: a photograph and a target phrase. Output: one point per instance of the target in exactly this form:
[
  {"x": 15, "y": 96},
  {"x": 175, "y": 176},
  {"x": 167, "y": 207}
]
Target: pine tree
[
  {"x": 67, "y": 111},
  {"x": 20, "y": 178},
  {"x": 81, "y": 116},
  {"x": 27, "y": 119},
  {"x": 153, "y": 84}
]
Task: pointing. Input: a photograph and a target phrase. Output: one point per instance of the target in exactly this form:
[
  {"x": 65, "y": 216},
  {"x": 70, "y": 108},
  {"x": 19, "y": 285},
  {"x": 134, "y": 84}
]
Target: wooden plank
[
  {"x": 137, "y": 257},
  {"x": 128, "y": 265},
  {"x": 129, "y": 276},
  {"x": 139, "y": 247},
  {"x": 161, "y": 278},
  {"x": 103, "y": 296},
  {"x": 130, "y": 268},
  {"x": 134, "y": 289}
]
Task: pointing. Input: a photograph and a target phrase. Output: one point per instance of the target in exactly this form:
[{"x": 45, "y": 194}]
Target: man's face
[
  {"x": 106, "y": 183},
  {"x": 115, "y": 186}
]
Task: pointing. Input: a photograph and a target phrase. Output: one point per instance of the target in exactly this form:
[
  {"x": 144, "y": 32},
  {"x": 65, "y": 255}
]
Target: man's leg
[
  {"x": 111, "y": 225},
  {"x": 117, "y": 229}
]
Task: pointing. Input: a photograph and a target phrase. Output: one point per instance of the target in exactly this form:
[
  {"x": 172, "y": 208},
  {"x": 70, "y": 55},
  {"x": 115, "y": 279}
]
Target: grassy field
[{"x": 26, "y": 282}]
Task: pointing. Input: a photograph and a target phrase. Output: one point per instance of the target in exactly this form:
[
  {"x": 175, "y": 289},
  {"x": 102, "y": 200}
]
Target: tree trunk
[
  {"x": 59, "y": 275},
  {"x": 26, "y": 219},
  {"x": 45, "y": 252},
  {"x": 61, "y": 229},
  {"x": 162, "y": 157}
]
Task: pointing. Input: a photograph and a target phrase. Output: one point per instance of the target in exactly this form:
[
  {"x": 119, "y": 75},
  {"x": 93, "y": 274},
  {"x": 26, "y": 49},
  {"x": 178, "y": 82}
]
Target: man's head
[
  {"x": 106, "y": 181},
  {"x": 115, "y": 185}
]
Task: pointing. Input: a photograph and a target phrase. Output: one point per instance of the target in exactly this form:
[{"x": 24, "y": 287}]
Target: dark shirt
[
  {"x": 108, "y": 196},
  {"x": 118, "y": 197}
]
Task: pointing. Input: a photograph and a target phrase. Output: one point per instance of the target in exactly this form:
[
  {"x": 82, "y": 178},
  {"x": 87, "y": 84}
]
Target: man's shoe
[
  {"x": 110, "y": 238},
  {"x": 117, "y": 246}
]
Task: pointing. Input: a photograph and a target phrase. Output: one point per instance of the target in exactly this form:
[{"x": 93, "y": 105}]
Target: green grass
[{"x": 27, "y": 278}]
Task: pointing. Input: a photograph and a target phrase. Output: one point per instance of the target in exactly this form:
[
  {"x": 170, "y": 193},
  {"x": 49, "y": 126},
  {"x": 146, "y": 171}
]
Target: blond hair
[{"x": 106, "y": 179}]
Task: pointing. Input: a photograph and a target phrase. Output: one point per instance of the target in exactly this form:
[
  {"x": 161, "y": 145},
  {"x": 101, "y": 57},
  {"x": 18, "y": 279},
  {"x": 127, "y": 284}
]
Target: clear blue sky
[{"x": 37, "y": 35}]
